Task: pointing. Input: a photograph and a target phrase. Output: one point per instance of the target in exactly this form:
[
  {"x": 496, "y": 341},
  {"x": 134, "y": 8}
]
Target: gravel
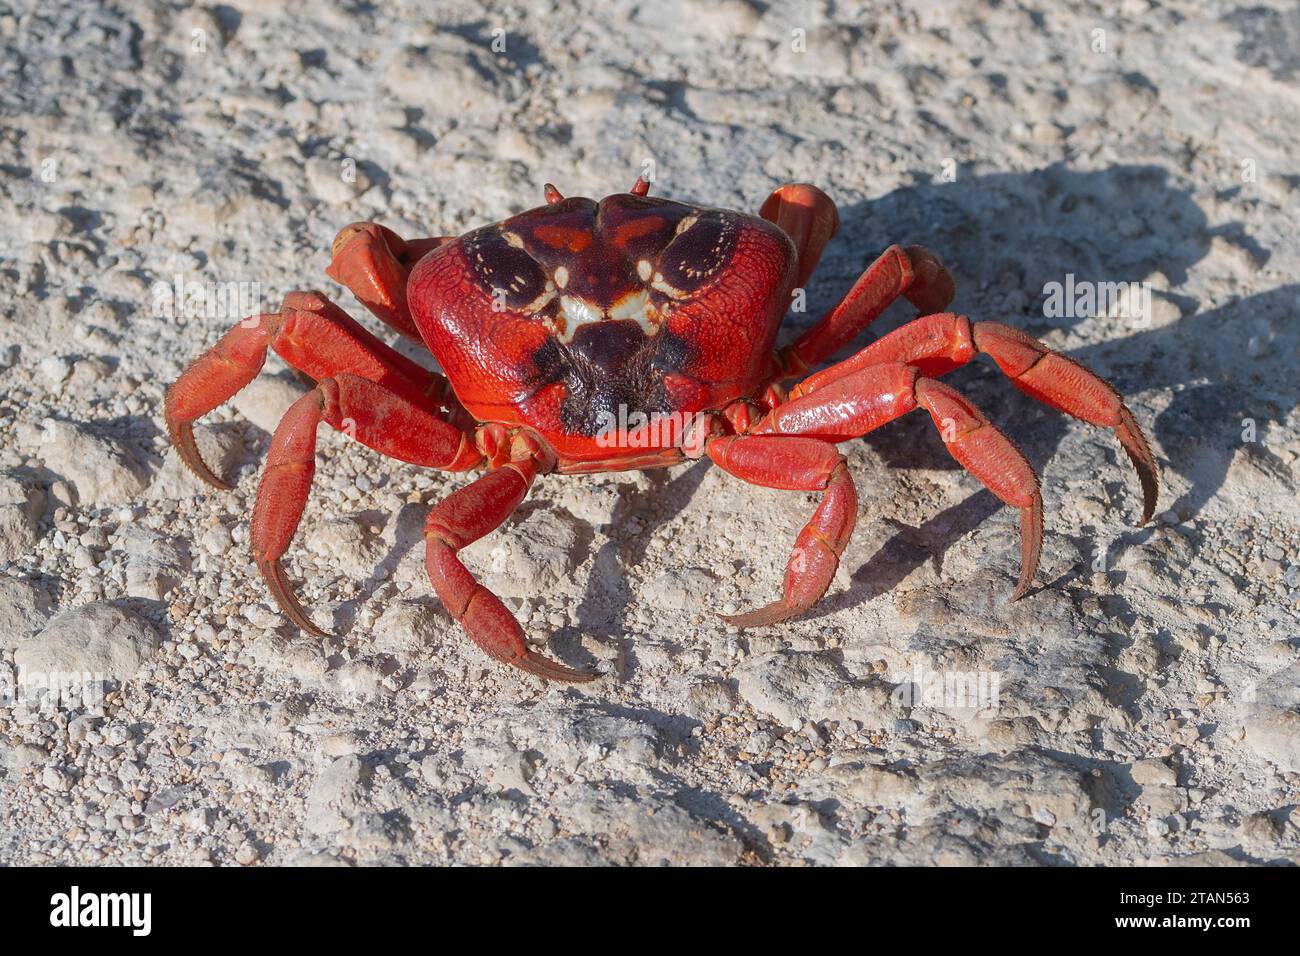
[{"x": 1139, "y": 705}]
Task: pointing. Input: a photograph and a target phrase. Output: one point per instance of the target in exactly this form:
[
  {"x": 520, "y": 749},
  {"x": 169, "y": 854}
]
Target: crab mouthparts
[{"x": 635, "y": 306}]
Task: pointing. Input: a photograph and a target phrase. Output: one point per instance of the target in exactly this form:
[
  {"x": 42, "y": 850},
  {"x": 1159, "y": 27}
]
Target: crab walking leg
[
  {"x": 937, "y": 344},
  {"x": 314, "y": 336},
  {"x": 375, "y": 262},
  {"x": 808, "y": 216},
  {"x": 461, "y": 519},
  {"x": 864, "y": 400},
  {"x": 912, "y": 272},
  {"x": 371, "y": 413},
  {"x": 796, "y": 464}
]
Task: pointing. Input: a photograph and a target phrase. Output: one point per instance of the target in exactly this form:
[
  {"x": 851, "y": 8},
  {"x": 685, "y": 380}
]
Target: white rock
[
  {"x": 590, "y": 500},
  {"x": 336, "y": 796},
  {"x": 154, "y": 563},
  {"x": 265, "y": 399},
  {"x": 681, "y": 589},
  {"x": 344, "y": 545},
  {"x": 53, "y": 369},
  {"x": 220, "y": 448},
  {"x": 17, "y": 533},
  {"x": 335, "y": 180},
  {"x": 651, "y": 832},
  {"x": 408, "y": 627},
  {"x": 216, "y": 540},
  {"x": 56, "y": 778},
  {"x": 103, "y": 472},
  {"x": 95, "y": 639},
  {"x": 23, "y": 756},
  {"x": 1272, "y": 721},
  {"x": 528, "y": 558},
  {"x": 1147, "y": 773},
  {"x": 21, "y": 503},
  {"x": 24, "y": 609},
  {"x": 794, "y": 686},
  {"x": 447, "y": 82}
]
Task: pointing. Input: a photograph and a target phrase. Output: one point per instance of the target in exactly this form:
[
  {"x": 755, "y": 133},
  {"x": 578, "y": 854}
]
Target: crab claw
[
  {"x": 552, "y": 194},
  {"x": 641, "y": 187},
  {"x": 212, "y": 379}
]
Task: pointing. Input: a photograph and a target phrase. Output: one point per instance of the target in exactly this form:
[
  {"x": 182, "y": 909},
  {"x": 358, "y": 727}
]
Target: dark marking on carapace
[
  {"x": 515, "y": 277},
  {"x": 608, "y": 365}
]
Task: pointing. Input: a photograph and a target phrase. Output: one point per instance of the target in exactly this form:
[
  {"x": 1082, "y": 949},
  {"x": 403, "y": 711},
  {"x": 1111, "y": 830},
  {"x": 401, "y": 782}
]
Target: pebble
[
  {"x": 216, "y": 540},
  {"x": 54, "y": 370}
]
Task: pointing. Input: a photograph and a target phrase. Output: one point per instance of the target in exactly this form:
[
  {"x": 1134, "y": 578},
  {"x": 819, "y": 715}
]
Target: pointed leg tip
[
  {"x": 276, "y": 582},
  {"x": 1150, "y": 497},
  {"x": 775, "y": 613},
  {"x": 1031, "y": 546},
  {"x": 306, "y": 625},
  {"x": 1135, "y": 445},
  {"x": 182, "y": 434},
  {"x": 542, "y": 666}
]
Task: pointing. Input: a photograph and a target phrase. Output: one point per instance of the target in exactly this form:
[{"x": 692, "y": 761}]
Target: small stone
[
  {"x": 21, "y": 503},
  {"x": 55, "y": 778},
  {"x": 53, "y": 370},
  {"x": 247, "y": 854},
  {"x": 216, "y": 540},
  {"x": 1147, "y": 773},
  {"x": 25, "y": 756},
  {"x": 335, "y": 798}
]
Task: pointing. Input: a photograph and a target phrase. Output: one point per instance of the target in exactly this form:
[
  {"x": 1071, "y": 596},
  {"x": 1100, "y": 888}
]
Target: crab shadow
[
  {"x": 1004, "y": 237},
  {"x": 607, "y": 594}
]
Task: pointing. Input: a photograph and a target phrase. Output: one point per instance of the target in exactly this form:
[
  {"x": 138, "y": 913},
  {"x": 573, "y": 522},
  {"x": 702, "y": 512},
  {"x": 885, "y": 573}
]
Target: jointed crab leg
[
  {"x": 374, "y": 415},
  {"x": 797, "y": 464},
  {"x": 313, "y": 335},
  {"x": 461, "y": 519},
  {"x": 912, "y": 272},
  {"x": 937, "y": 344},
  {"x": 868, "y": 398}
]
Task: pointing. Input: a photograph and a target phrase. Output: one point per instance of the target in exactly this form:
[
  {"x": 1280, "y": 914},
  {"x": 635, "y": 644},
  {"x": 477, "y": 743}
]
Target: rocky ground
[{"x": 1140, "y": 705}]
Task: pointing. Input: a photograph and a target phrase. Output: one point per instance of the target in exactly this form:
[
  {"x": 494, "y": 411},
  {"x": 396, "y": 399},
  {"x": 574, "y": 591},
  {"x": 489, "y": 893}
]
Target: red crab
[{"x": 633, "y": 332}]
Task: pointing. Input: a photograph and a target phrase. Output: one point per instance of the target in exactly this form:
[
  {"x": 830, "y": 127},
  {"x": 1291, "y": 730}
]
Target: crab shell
[{"x": 581, "y": 320}]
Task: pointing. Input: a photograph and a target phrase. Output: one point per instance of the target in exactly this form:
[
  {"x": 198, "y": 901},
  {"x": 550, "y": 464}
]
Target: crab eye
[
  {"x": 700, "y": 251},
  {"x": 504, "y": 271}
]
